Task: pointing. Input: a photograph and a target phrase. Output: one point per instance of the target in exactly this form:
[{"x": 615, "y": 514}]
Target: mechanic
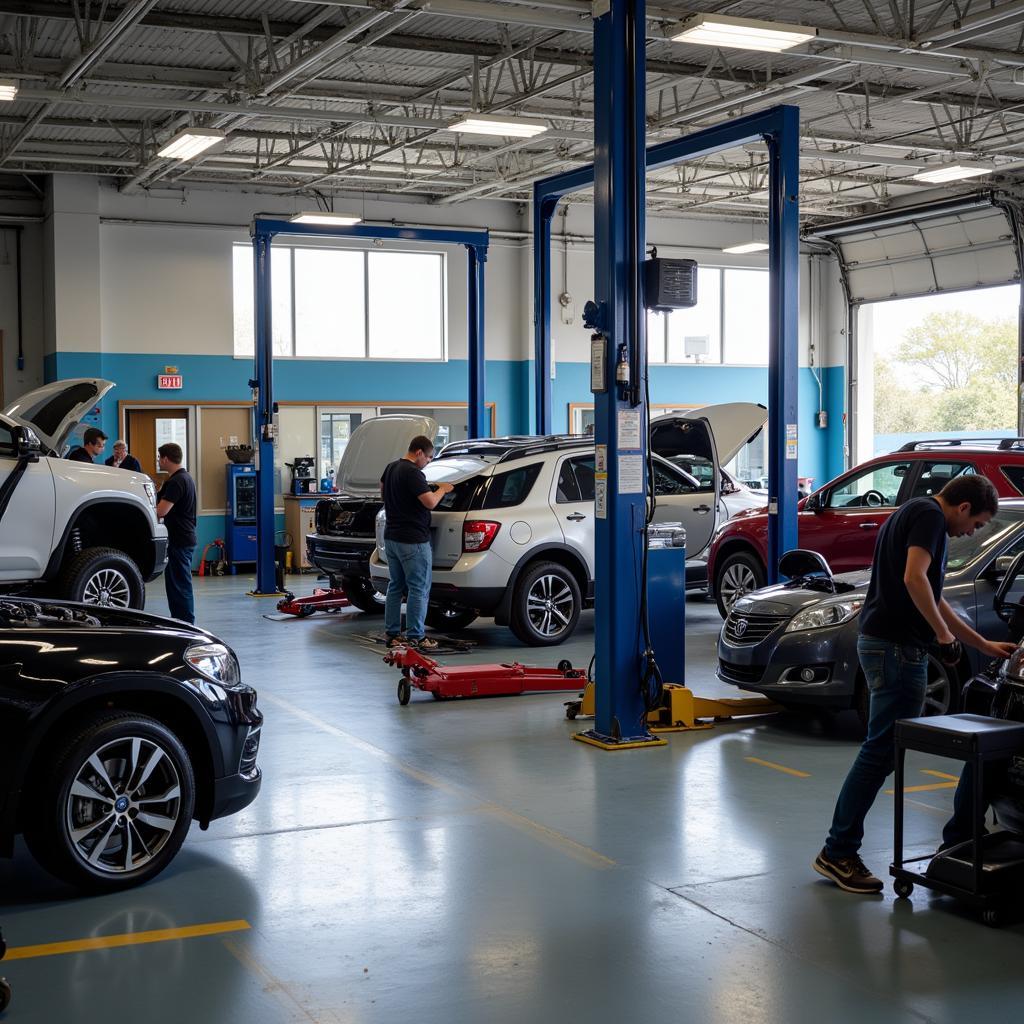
[
  {"x": 176, "y": 506},
  {"x": 121, "y": 459},
  {"x": 903, "y": 613},
  {"x": 93, "y": 443},
  {"x": 408, "y": 501}
]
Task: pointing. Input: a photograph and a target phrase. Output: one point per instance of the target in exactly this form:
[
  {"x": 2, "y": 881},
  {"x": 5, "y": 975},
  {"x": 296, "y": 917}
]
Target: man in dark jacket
[
  {"x": 121, "y": 459},
  {"x": 176, "y": 506},
  {"x": 93, "y": 443}
]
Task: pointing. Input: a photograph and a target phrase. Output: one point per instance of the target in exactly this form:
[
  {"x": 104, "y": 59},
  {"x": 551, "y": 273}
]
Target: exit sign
[{"x": 169, "y": 381}]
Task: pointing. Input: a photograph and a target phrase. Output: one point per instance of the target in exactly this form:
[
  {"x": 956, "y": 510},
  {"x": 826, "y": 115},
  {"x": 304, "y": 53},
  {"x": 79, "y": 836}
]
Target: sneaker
[
  {"x": 849, "y": 873},
  {"x": 397, "y": 641},
  {"x": 425, "y": 643}
]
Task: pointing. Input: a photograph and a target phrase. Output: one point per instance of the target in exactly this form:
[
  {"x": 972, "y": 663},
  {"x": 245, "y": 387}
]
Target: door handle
[
  {"x": 576, "y": 517},
  {"x": 868, "y": 526},
  {"x": 702, "y": 509}
]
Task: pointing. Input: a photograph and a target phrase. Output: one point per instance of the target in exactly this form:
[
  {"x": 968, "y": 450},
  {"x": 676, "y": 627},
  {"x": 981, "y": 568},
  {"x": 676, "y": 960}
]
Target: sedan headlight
[
  {"x": 150, "y": 493},
  {"x": 828, "y": 613},
  {"x": 215, "y": 662}
]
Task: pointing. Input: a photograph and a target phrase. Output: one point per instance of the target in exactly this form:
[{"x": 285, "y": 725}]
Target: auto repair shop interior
[{"x": 675, "y": 291}]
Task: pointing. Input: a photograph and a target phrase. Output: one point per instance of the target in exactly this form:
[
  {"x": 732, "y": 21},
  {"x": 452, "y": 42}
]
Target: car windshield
[{"x": 962, "y": 551}]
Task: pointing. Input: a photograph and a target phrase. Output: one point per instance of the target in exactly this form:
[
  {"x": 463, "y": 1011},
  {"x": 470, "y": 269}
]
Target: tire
[
  {"x": 439, "y": 617},
  {"x": 993, "y": 918},
  {"x": 359, "y": 590},
  {"x": 738, "y": 574},
  {"x": 131, "y": 748},
  {"x": 5, "y": 995},
  {"x": 103, "y": 576},
  {"x": 546, "y": 605},
  {"x": 404, "y": 691}
]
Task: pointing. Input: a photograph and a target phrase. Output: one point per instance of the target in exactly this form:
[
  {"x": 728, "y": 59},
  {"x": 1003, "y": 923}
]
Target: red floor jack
[
  {"x": 444, "y": 682},
  {"x": 319, "y": 601}
]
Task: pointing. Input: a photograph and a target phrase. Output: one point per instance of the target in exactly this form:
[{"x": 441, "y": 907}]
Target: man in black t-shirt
[
  {"x": 93, "y": 443},
  {"x": 176, "y": 505},
  {"x": 903, "y": 614},
  {"x": 408, "y": 500}
]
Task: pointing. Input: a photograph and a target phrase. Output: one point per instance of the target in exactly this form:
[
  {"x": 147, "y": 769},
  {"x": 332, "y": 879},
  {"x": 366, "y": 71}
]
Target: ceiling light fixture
[
  {"x": 741, "y": 33},
  {"x": 189, "y": 143},
  {"x": 492, "y": 124},
  {"x": 747, "y": 247},
  {"x": 8, "y": 89},
  {"x": 336, "y": 220},
  {"x": 951, "y": 172}
]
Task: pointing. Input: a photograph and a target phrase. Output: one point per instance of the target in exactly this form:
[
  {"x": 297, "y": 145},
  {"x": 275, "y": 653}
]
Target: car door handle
[
  {"x": 576, "y": 517},
  {"x": 702, "y": 509},
  {"x": 868, "y": 526}
]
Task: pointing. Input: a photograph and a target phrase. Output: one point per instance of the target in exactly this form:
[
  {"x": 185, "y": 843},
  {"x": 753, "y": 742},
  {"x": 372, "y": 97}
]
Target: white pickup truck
[{"x": 74, "y": 530}]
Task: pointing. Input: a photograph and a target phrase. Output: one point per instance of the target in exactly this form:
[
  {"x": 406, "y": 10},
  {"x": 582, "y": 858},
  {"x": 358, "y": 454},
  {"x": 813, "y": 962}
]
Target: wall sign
[{"x": 169, "y": 381}]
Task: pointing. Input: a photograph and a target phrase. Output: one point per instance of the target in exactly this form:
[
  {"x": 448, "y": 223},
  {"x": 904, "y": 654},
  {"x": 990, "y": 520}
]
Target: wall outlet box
[{"x": 823, "y": 419}]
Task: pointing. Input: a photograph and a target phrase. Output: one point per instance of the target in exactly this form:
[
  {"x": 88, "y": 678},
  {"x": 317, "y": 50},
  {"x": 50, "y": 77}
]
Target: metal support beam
[
  {"x": 543, "y": 211},
  {"x": 263, "y": 231}
]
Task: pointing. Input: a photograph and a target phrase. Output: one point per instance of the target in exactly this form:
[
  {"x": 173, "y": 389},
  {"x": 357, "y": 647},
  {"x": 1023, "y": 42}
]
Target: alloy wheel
[
  {"x": 108, "y": 588},
  {"x": 737, "y": 580},
  {"x": 938, "y": 693},
  {"x": 123, "y": 805},
  {"x": 549, "y": 605}
]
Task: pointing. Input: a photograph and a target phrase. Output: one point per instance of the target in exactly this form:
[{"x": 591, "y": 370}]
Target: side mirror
[
  {"x": 27, "y": 444},
  {"x": 812, "y": 503}
]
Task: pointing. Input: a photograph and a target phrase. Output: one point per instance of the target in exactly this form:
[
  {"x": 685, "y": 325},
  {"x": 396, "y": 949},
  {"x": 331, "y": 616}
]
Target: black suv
[{"x": 117, "y": 729}]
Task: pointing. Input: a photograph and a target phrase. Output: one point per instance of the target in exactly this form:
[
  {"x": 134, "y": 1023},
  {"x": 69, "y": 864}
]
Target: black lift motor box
[{"x": 670, "y": 284}]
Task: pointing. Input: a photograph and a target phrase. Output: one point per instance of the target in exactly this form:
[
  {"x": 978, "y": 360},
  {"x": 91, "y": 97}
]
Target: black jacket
[{"x": 130, "y": 463}]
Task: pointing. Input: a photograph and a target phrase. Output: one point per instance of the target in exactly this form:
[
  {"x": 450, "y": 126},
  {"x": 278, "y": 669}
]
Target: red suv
[{"x": 841, "y": 520}]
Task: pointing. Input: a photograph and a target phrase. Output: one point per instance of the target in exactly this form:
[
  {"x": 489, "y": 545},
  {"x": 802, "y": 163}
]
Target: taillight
[{"x": 479, "y": 534}]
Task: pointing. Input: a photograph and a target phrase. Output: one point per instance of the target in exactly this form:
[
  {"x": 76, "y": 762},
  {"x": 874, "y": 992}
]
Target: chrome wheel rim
[
  {"x": 549, "y": 605},
  {"x": 937, "y": 693},
  {"x": 737, "y": 580},
  {"x": 109, "y": 588},
  {"x": 123, "y": 805}
]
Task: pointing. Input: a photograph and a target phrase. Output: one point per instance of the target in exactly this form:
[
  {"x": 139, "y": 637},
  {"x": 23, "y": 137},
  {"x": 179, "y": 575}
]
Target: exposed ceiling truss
[{"x": 356, "y": 97}]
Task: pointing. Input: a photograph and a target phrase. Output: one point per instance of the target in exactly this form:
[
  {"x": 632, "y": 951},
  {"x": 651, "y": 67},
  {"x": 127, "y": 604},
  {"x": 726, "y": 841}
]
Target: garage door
[{"x": 925, "y": 250}]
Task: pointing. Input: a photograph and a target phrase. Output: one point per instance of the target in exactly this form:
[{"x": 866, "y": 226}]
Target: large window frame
[{"x": 367, "y": 354}]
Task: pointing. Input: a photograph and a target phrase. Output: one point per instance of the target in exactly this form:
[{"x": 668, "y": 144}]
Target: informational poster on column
[
  {"x": 629, "y": 428},
  {"x": 631, "y": 474},
  {"x": 601, "y": 497},
  {"x": 601, "y": 459},
  {"x": 791, "y": 441},
  {"x": 598, "y": 350}
]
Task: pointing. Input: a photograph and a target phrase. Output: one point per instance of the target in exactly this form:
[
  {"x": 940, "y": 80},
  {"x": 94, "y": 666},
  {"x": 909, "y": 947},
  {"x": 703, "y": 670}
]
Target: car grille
[
  {"x": 740, "y": 673},
  {"x": 751, "y": 629}
]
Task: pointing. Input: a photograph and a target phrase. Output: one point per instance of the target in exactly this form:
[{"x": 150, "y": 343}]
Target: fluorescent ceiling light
[
  {"x": 191, "y": 142},
  {"x": 951, "y": 172},
  {"x": 741, "y": 33},
  {"x": 338, "y": 220},
  {"x": 748, "y": 247},
  {"x": 8, "y": 88},
  {"x": 491, "y": 124}
]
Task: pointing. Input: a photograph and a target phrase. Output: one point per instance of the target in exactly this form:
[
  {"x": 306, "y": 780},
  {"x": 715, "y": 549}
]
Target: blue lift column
[
  {"x": 618, "y": 317},
  {"x": 476, "y": 357}
]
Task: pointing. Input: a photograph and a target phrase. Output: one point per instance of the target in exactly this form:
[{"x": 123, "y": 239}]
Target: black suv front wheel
[{"x": 546, "y": 605}]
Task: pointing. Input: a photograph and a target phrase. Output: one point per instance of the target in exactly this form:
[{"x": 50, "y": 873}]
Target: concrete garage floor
[{"x": 466, "y": 862}]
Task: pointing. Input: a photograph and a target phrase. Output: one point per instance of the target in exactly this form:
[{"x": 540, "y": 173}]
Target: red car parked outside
[{"x": 841, "y": 520}]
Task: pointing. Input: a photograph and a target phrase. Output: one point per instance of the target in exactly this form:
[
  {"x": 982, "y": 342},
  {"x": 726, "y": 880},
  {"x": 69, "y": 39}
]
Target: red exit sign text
[{"x": 168, "y": 381}]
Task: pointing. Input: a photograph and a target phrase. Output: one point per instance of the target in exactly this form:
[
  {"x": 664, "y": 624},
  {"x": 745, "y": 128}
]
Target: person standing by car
[
  {"x": 408, "y": 501},
  {"x": 904, "y": 612},
  {"x": 93, "y": 443},
  {"x": 176, "y": 505},
  {"x": 121, "y": 459}
]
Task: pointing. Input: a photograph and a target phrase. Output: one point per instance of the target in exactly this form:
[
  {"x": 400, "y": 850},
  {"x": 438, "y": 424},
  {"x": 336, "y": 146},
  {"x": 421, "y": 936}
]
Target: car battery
[{"x": 666, "y": 598}]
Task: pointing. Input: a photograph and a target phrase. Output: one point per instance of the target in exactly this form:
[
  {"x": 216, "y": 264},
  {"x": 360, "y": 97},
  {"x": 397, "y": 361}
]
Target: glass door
[{"x": 336, "y": 426}]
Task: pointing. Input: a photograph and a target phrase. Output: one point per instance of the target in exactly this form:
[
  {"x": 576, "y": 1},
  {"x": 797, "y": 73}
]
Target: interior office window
[
  {"x": 746, "y": 317},
  {"x": 171, "y": 431},
  {"x": 336, "y": 429},
  {"x": 695, "y": 334},
  {"x": 281, "y": 299},
  {"x": 330, "y": 303},
  {"x": 406, "y": 305},
  {"x": 656, "y": 329}
]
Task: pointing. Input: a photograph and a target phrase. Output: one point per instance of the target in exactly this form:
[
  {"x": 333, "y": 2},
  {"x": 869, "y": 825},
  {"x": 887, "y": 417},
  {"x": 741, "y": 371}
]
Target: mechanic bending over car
[
  {"x": 903, "y": 613},
  {"x": 408, "y": 501}
]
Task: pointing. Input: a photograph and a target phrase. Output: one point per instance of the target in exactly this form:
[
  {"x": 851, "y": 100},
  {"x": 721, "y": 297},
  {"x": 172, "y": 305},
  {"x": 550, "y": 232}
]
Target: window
[
  {"x": 171, "y": 430},
  {"x": 1015, "y": 474},
  {"x": 746, "y": 317},
  {"x": 695, "y": 334},
  {"x": 697, "y": 468},
  {"x": 335, "y": 430},
  {"x": 935, "y": 475},
  {"x": 656, "y": 331},
  {"x": 511, "y": 488},
  {"x": 6, "y": 439},
  {"x": 345, "y": 303},
  {"x": 878, "y": 487},
  {"x": 668, "y": 483},
  {"x": 576, "y": 480}
]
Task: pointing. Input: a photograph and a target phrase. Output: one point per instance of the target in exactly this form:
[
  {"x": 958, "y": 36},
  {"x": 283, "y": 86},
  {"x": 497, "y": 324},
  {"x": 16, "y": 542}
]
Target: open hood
[
  {"x": 372, "y": 446},
  {"x": 54, "y": 410},
  {"x": 732, "y": 423}
]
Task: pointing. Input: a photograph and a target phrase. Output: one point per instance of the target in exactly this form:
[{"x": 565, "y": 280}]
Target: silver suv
[{"x": 515, "y": 537}]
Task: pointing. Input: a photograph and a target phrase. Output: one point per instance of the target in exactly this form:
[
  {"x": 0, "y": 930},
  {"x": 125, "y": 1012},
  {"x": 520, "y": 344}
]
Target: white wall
[{"x": 16, "y": 382}]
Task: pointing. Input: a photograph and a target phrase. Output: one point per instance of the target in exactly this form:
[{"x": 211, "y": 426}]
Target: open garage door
[{"x": 924, "y": 250}]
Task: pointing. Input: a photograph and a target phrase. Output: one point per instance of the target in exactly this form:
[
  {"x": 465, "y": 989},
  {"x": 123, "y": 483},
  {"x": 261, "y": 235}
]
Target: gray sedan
[{"x": 797, "y": 642}]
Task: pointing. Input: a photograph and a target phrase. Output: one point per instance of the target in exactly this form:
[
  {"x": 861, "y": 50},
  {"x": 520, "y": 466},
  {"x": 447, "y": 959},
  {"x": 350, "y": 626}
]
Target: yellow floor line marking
[
  {"x": 779, "y": 767},
  {"x": 940, "y": 775},
  {"x": 127, "y": 939},
  {"x": 549, "y": 836},
  {"x": 951, "y": 784}
]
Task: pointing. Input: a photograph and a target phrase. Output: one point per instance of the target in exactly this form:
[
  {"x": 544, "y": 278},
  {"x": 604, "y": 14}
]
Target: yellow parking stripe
[
  {"x": 779, "y": 768},
  {"x": 128, "y": 939},
  {"x": 940, "y": 775},
  {"x": 931, "y": 787}
]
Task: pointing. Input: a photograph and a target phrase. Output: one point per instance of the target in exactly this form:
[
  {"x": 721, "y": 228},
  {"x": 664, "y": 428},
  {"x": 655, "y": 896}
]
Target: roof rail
[{"x": 1002, "y": 443}]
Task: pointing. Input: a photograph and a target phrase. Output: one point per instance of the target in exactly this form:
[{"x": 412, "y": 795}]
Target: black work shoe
[
  {"x": 849, "y": 873},
  {"x": 397, "y": 641}
]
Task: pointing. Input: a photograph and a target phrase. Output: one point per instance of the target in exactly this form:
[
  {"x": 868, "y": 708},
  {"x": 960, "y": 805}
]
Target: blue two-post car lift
[
  {"x": 618, "y": 177},
  {"x": 263, "y": 232}
]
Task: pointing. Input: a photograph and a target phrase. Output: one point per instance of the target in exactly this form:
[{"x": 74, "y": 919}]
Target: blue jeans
[
  {"x": 960, "y": 828},
  {"x": 897, "y": 676},
  {"x": 178, "y": 581},
  {"x": 409, "y": 568}
]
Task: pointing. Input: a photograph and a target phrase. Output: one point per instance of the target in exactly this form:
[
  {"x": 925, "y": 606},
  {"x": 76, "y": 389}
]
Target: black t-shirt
[
  {"x": 80, "y": 455},
  {"x": 180, "y": 521},
  {"x": 889, "y": 612},
  {"x": 407, "y": 519}
]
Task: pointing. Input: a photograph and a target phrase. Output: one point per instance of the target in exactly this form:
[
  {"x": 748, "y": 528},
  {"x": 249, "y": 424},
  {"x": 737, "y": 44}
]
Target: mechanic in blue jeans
[
  {"x": 408, "y": 501},
  {"x": 903, "y": 614}
]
